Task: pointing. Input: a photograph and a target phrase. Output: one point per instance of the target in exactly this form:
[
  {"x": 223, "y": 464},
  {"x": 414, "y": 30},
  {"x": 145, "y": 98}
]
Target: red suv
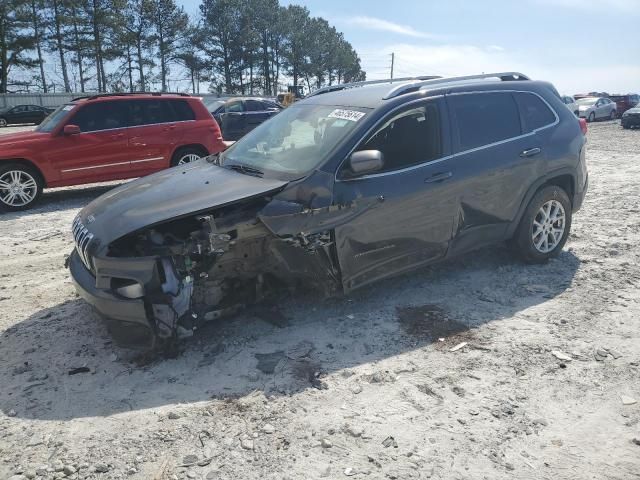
[{"x": 104, "y": 137}]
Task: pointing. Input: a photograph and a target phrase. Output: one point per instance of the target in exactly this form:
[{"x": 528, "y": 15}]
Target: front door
[
  {"x": 100, "y": 151},
  {"x": 407, "y": 207},
  {"x": 233, "y": 120}
]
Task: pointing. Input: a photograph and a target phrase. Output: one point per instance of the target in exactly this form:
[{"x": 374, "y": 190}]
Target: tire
[
  {"x": 592, "y": 117},
  {"x": 186, "y": 155},
  {"x": 613, "y": 115},
  {"x": 626, "y": 127},
  {"x": 3, "y": 122},
  {"x": 22, "y": 187},
  {"x": 530, "y": 246}
]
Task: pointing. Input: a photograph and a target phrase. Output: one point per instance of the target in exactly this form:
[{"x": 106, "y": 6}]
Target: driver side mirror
[
  {"x": 71, "y": 130},
  {"x": 366, "y": 161}
]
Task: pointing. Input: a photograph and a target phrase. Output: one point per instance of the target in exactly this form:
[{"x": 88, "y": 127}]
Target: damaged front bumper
[{"x": 131, "y": 311}]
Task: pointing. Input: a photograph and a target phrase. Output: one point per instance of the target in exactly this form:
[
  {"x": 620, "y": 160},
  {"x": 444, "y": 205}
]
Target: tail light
[{"x": 583, "y": 125}]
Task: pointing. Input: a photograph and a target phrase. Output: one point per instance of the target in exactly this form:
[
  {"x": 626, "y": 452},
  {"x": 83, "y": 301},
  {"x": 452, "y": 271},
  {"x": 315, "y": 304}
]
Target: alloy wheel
[
  {"x": 548, "y": 226},
  {"x": 17, "y": 188},
  {"x": 188, "y": 158}
]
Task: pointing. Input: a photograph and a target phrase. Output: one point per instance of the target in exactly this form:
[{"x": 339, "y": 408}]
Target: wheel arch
[
  {"x": 27, "y": 163},
  {"x": 564, "y": 178},
  {"x": 199, "y": 146}
]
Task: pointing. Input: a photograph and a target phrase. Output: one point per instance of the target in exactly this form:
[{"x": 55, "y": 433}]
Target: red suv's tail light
[{"x": 583, "y": 125}]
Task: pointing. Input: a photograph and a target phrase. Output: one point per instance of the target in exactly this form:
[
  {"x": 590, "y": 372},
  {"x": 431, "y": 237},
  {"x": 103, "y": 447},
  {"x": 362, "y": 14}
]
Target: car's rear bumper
[
  {"x": 124, "y": 310},
  {"x": 578, "y": 196}
]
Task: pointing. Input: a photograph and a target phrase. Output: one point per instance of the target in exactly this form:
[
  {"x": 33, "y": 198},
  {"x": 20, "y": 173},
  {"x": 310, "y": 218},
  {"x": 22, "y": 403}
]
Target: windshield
[
  {"x": 54, "y": 119},
  {"x": 214, "y": 105},
  {"x": 587, "y": 101},
  {"x": 295, "y": 141}
]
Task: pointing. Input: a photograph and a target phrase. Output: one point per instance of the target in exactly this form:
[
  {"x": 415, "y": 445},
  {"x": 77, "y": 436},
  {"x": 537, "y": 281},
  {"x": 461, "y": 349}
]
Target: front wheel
[
  {"x": 612, "y": 116},
  {"x": 592, "y": 117},
  {"x": 545, "y": 225},
  {"x": 186, "y": 155},
  {"x": 20, "y": 187},
  {"x": 3, "y": 122}
]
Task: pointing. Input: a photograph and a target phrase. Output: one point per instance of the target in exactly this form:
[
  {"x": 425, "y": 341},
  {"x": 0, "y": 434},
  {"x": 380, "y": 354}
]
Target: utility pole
[{"x": 392, "y": 59}]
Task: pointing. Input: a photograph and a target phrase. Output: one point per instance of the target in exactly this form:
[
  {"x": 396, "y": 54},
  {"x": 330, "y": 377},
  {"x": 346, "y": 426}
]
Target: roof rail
[
  {"x": 415, "y": 86},
  {"x": 343, "y": 86},
  {"x": 124, "y": 94}
]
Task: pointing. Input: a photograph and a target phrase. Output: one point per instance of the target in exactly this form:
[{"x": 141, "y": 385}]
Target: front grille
[{"x": 83, "y": 238}]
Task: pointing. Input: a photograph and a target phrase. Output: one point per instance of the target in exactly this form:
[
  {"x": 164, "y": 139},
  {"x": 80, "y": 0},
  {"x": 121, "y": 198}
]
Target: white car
[
  {"x": 571, "y": 104},
  {"x": 594, "y": 108}
]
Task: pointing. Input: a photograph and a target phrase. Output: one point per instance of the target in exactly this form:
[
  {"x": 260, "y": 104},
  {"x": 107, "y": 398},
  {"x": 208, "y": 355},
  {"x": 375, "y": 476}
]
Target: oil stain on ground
[{"x": 428, "y": 322}]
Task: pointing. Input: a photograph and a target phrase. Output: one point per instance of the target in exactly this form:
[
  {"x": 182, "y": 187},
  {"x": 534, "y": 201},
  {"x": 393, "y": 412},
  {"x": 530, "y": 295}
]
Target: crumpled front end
[{"x": 173, "y": 277}]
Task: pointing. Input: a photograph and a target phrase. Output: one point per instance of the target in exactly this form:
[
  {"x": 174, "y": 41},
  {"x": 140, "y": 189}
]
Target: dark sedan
[
  {"x": 23, "y": 114},
  {"x": 238, "y": 116},
  {"x": 631, "y": 118}
]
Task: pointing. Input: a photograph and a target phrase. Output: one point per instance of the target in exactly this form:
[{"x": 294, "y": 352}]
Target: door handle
[
  {"x": 530, "y": 152},
  {"x": 439, "y": 177},
  {"x": 117, "y": 136},
  {"x": 170, "y": 127}
]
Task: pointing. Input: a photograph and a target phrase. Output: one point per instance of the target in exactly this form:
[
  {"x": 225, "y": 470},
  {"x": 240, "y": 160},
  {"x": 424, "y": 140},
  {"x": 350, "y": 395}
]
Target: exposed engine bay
[{"x": 215, "y": 263}]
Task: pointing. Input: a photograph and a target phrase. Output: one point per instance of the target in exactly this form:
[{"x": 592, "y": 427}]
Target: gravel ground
[{"x": 372, "y": 386}]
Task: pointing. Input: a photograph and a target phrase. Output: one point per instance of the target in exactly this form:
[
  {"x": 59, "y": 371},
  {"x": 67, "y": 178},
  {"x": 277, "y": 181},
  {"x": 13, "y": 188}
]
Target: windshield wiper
[{"x": 244, "y": 169}]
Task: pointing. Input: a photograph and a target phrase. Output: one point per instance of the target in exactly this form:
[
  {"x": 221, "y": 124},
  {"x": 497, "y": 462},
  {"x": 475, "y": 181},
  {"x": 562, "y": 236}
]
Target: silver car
[{"x": 594, "y": 108}]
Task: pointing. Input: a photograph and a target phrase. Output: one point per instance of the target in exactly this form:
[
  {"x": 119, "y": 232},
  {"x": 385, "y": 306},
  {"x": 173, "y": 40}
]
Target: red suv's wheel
[
  {"x": 20, "y": 187},
  {"x": 186, "y": 155}
]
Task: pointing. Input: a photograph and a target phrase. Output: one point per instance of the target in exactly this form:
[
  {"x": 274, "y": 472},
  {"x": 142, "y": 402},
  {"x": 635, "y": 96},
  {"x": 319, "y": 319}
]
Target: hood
[
  {"x": 635, "y": 109},
  {"x": 15, "y": 139},
  {"x": 167, "y": 195}
]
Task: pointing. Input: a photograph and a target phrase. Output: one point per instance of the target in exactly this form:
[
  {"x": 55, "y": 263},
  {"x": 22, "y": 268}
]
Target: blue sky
[{"x": 579, "y": 45}]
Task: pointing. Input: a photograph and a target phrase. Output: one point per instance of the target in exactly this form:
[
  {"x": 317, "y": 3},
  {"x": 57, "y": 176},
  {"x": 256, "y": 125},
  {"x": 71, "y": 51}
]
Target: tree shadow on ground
[{"x": 292, "y": 348}]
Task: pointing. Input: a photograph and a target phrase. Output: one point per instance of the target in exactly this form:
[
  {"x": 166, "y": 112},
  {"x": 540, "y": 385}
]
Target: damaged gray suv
[{"x": 355, "y": 183}]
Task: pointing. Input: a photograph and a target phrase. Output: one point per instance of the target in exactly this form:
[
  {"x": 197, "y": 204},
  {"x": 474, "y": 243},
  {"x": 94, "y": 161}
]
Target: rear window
[
  {"x": 484, "y": 118},
  {"x": 254, "y": 106},
  {"x": 181, "y": 110},
  {"x": 535, "y": 113}
]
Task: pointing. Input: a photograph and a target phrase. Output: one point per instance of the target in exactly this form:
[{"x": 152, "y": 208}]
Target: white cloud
[
  {"x": 452, "y": 60},
  {"x": 372, "y": 23}
]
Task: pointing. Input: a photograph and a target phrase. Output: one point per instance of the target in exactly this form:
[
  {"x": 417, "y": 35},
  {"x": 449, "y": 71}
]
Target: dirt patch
[{"x": 429, "y": 322}]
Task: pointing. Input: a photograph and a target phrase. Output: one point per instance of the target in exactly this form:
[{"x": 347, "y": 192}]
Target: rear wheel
[
  {"x": 545, "y": 225},
  {"x": 592, "y": 117},
  {"x": 187, "y": 155},
  {"x": 20, "y": 187}
]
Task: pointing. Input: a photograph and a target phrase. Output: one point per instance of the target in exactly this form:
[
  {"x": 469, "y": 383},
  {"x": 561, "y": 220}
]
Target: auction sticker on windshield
[{"x": 351, "y": 115}]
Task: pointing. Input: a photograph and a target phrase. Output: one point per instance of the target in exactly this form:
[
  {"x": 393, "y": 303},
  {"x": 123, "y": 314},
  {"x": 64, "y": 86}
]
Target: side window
[
  {"x": 254, "y": 106},
  {"x": 100, "y": 116},
  {"x": 149, "y": 112},
  {"x": 484, "y": 118},
  {"x": 234, "y": 107},
  {"x": 408, "y": 138},
  {"x": 271, "y": 105},
  {"x": 535, "y": 113},
  {"x": 18, "y": 109},
  {"x": 181, "y": 110}
]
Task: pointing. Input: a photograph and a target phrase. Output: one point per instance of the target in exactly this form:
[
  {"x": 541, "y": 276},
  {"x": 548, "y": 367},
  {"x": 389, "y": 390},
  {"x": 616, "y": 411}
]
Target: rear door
[
  {"x": 100, "y": 152},
  {"x": 496, "y": 156},
  {"x": 153, "y": 134}
]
